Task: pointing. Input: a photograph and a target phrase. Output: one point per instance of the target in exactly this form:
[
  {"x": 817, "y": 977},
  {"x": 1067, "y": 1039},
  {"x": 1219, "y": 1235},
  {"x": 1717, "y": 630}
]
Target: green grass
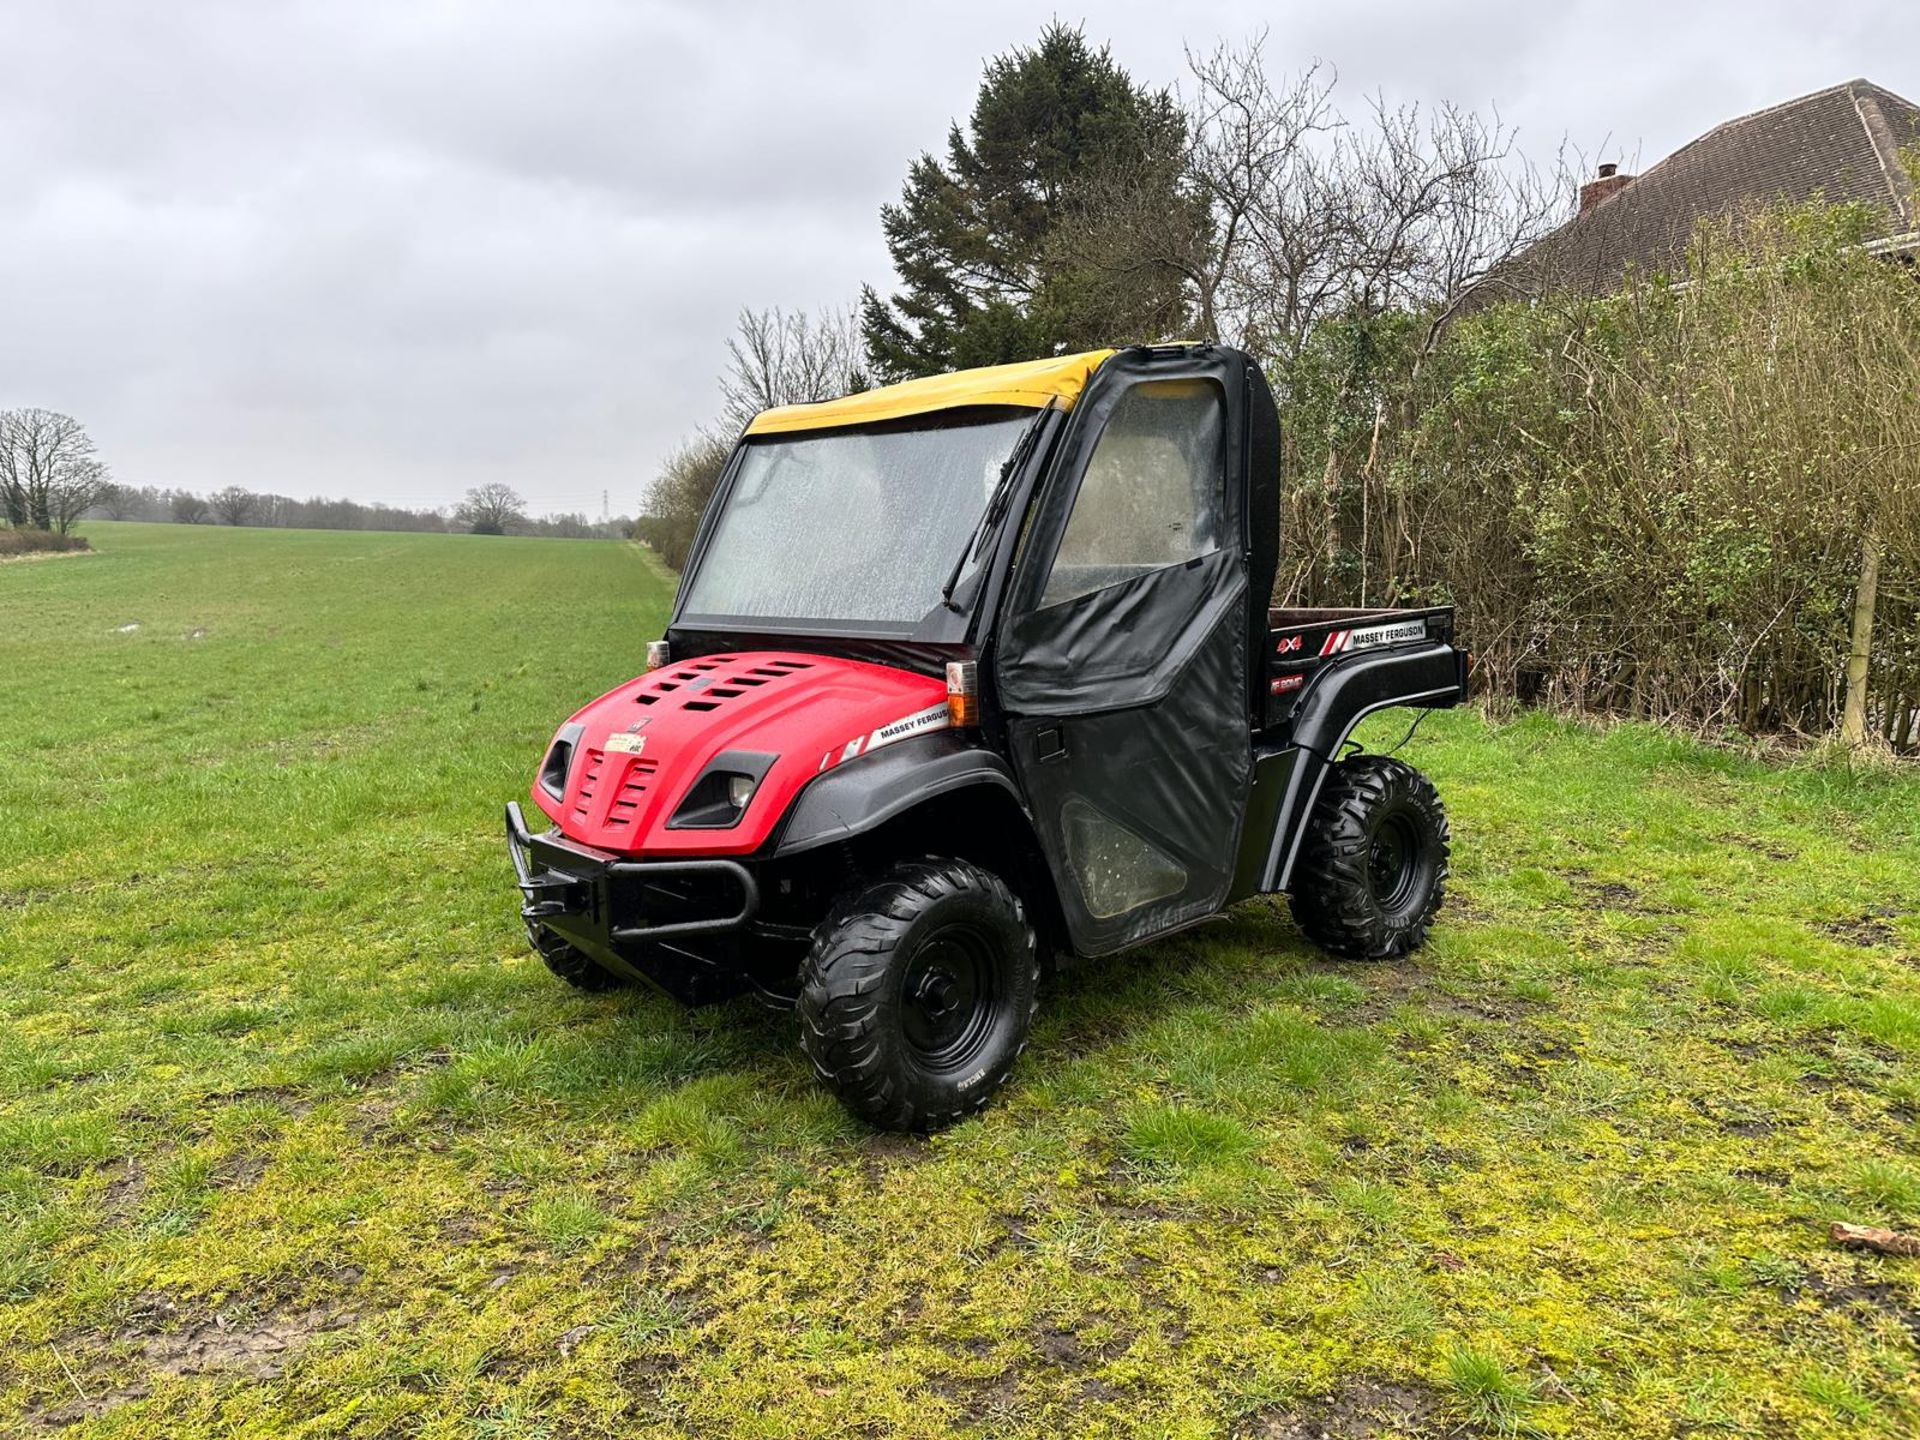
[{"x": 274, "y": 1062}]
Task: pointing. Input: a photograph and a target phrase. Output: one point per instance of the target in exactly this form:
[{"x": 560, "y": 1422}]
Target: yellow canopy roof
[{"x": 1031, "y": 383}]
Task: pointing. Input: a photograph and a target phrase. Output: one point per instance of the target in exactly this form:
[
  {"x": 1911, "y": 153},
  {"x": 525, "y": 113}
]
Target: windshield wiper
[{"x": 997, "y": 504}]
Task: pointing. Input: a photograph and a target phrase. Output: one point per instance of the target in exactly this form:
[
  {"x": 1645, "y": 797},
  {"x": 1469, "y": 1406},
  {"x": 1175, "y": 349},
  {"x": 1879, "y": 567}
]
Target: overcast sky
[{"x": 391, "y": 250}]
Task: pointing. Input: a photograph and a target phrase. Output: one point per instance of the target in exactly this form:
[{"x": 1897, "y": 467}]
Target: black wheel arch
[
  {"x": 939, "y": 794},
  {"x": 1345, "y": 693},
  {"x": 1430, "y": 677}
]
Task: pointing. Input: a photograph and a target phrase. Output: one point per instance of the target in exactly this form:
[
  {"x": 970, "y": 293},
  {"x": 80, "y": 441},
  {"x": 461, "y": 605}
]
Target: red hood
[{"x": 812, "y": 711}]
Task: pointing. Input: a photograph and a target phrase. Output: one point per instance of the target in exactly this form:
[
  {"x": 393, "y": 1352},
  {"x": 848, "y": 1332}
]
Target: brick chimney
[{"x": 1594, "y": 191}]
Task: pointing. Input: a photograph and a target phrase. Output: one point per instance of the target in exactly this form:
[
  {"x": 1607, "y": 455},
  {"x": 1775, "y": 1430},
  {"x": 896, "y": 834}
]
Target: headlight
[
  {"x": 723, "y": 791},
  {"x": 559, "y": 762}
]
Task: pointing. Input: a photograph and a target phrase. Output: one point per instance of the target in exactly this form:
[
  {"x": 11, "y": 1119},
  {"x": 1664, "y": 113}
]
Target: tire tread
[
  {"x": 577, "y": 969},
  {"x": 845, "y": 973},
  {"x": 1333, "y": 898}
]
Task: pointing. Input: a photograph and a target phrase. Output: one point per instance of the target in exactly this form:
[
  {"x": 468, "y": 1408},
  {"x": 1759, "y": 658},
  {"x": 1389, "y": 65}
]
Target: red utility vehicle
[{"x": 970, "y": 672}]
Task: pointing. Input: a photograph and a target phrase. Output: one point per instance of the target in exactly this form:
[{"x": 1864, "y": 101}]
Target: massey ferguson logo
[
  {"x": 1398, "y": 633},
  {"x": 921, "y": 722}
]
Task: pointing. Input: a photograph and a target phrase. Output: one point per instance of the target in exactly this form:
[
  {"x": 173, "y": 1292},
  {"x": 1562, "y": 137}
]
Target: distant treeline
[{"x": 235, "y": 505}]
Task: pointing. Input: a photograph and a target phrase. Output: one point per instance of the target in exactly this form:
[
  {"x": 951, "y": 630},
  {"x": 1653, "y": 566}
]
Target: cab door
[{"x": 1122, "y": 660}]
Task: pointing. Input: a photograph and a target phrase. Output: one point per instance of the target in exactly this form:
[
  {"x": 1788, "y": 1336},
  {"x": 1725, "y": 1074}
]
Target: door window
[
  {"x": 1152, "y": 495},
  {"x": 1118, "y": 870}
]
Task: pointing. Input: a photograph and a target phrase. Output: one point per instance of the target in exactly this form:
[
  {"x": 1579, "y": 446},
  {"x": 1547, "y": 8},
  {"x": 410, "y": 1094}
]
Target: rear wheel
[
  {"x": 1373, "y": 864},
  {"x": 916, "y": 996},
  {"x": 571, "y": 965}
]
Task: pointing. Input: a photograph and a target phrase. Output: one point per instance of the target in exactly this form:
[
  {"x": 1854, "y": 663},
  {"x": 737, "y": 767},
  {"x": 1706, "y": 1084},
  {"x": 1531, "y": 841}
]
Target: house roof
[
  {"x": 1033, "y": 384},
  {"x": 1842, "y": 143}
]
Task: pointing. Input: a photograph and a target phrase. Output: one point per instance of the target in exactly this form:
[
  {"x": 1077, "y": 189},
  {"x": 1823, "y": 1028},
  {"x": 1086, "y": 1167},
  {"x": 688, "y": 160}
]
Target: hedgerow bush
[
  {"x": 1664, "y": 502},
  {"x": 24, "y": 540}
]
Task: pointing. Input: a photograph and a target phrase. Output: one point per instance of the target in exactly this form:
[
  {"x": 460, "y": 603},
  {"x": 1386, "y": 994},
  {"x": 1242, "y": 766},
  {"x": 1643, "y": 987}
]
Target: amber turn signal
[
  {"x": 658, "y": 654},
  {"x": 963, "y": 692}
]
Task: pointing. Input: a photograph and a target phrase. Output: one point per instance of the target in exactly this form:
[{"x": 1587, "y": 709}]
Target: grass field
[{"x": 297, "y": 1140}]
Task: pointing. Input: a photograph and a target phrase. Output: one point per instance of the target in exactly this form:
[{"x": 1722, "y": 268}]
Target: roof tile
[{"x": 1842, "y": 143}]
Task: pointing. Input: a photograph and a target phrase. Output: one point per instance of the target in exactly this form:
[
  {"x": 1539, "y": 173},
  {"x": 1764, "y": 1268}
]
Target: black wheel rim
[
  {"x": 949, "y": 996},
  {"x": 1393, "y": 863}
]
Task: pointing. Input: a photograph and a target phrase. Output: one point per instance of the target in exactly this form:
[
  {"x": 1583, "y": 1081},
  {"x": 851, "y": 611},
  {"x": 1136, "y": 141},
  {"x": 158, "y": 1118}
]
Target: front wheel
[
  {"x": 1373, "y": 864},
  {"x": 569, "y": 964},
  {"x": 916, "y": 996}
]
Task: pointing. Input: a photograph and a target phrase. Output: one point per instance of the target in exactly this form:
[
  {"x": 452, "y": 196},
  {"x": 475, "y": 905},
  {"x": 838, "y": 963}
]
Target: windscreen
[{"x": 853, "y": 526}]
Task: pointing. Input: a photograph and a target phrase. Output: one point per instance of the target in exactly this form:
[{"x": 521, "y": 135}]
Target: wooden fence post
[{"x": 1853, "y": 715}]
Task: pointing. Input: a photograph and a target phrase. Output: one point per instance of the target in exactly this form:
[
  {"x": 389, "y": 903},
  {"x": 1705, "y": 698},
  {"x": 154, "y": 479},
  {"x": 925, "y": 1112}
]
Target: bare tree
[
  {"x": 1255, "y": 157},
  {"x": 491, "y": 509},
  {"x": 678, "y": 497},
  {"x": 789, "y": 357},
  {"x": 1308, "y": 215},
  {"x": 1270, "y": 255},
  {"x": 49, "y": 474},
  {"x": 1445, "y": 200},
  {"x": 234, "y": 505},
  {"x": 187, "y": 508},
  {"x": 74, "y": 492},
  {"x": 117, "y": 502}
]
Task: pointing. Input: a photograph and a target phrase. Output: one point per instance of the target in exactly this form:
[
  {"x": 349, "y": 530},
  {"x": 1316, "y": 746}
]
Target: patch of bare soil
[
  {"x": 1868, "y": 930},
  {"x": 1393, "y": 983},
  {"x": 260, "y": 1348},
  {"x": 1388, "y": 983},
  {"x": 1062, "y": 1346},
  {"x": 85, "y": 1407},
  {"x": 1057, "y": 1351},
  {"x": 1608, "y": 895},
  {"x": 229, "y": 1342},
  {"x": 1758, "y": 846},
  {"x": 1874, "y": 1296},
  {"x": 886, "y": 1152},
  {"x": 980, "y": 1401},
  {"x": 126, "y": 1189},
  {"x": 1362, "y": 1410}
]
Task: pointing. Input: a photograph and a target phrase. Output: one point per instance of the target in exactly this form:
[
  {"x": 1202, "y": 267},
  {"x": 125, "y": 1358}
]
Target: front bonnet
[{"x": 641, "y": 747}]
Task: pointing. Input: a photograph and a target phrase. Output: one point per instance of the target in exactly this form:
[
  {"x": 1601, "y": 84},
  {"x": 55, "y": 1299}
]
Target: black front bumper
[{"x": 633, "y": 915}]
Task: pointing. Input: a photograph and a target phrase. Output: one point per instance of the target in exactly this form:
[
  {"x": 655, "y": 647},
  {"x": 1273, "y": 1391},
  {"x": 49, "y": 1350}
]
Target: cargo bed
[{"x": 1301, "y": 641}]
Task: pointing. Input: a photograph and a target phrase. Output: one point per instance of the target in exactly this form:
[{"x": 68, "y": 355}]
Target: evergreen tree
[{"x": 979, "y": 282}]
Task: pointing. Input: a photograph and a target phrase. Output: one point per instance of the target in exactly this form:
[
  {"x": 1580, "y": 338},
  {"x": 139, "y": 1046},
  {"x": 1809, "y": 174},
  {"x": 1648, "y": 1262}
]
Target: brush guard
[{"x": 600, "y": 902}]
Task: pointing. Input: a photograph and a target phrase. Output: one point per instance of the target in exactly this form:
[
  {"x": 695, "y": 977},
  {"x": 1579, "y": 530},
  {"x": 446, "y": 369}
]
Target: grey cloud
[{"x": 393, "y": 250}]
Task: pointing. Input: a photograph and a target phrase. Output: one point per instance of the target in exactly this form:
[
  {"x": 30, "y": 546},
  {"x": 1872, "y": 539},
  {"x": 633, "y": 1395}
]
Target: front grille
[
  {"x": 626, "y": 805},
  {"x": 588, "y": 783}
]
